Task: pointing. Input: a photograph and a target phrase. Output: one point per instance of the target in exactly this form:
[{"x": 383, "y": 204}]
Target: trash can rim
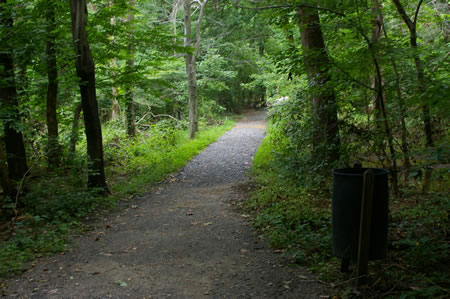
[{"x": 356, "y": 172}]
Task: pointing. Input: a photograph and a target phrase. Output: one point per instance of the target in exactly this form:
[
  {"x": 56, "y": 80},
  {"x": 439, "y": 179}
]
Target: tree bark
[
  {"x": 191, "y": 71},
  {"x": 191, "y": 63},
  {"x": 130, "y": 111},
  {"x": 7, "y": 187},
  {"x": 115, "y": 106},
  {"x": 326, "y": 140},
  {"x": 74, "y": 135},
  {"x": 53, "y": 148},
  {"x": 86, "y": 72},
  {"x": 15, "y": 148}
]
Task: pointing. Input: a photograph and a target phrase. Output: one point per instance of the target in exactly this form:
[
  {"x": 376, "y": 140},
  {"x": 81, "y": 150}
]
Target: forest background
[{"x": 344, "y": 81}]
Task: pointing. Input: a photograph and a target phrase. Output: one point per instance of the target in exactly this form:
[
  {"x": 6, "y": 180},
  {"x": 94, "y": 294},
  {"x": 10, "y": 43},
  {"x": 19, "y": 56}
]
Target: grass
[
  {"x": 57, "y": 203},
  {"x": 296, "y": 220}
]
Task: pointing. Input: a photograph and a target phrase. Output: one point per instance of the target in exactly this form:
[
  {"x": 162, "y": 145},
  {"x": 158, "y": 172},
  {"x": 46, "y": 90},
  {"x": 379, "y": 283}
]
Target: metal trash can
[{"x": 346, "y": 212}]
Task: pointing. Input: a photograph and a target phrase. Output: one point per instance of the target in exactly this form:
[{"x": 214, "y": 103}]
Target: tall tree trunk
[
  {"x": 130, "y": 111},
  {"x": 326, "y": 140},
  {"x": 377, "y": 23},
  {"x": 115, "y": 106},
  {"x": 15, "y": 149},
  {"x": 53, "y": 148},
  {"x": 191, "y": 72},
  {"x": 86, "y": 73},
  {"x": 191, "y": 60},
  {"x": 411, "y": 24}
]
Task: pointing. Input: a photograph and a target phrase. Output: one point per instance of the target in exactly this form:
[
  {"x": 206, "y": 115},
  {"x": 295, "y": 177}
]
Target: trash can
[{"x": 346, "y": 212}]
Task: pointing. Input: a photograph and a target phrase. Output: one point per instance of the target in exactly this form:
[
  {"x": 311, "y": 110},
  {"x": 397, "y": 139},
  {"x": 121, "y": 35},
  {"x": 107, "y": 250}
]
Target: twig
[
  {"x": 156, "y": 116},
  {"x": 291, "y": 6},
  {"x": 22, "y": 181},
  {"x": 443, "y": 60}
]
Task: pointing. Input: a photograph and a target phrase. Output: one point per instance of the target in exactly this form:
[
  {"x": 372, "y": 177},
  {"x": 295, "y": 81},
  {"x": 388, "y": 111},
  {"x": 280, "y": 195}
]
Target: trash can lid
[{"x": 358, "y": 171}]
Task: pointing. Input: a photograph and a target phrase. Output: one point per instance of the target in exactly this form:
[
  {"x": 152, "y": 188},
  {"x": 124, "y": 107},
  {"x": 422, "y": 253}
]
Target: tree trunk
[
  {"x": 377, "y": 23},
  {"x": 191, "y": 72},
  {"x": 130, "y": 111},
  {"x": 86, "y": 72},
  {"x": 15, "y": 149},
  {"x": 53, "y": 148},
  {"x": 411, "y": 24},
  {"x": 7, "y": 187},
  {"x": 191, "y": 62},
  {"x": 74, "y": 135},
  {"x": 115, "y": 106},
  {"x": 326, "y": 140}
]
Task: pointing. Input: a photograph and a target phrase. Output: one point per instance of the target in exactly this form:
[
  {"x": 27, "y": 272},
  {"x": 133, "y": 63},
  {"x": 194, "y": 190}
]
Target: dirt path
[{"x": 184, "y": 240}]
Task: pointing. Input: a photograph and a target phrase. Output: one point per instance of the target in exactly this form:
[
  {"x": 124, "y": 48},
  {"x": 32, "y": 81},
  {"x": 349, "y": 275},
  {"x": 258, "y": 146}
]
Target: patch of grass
[
  {"x": 296, "y": 219},
  {"x": 57, "y": 203},
  {"x": 290, "y": 217}
]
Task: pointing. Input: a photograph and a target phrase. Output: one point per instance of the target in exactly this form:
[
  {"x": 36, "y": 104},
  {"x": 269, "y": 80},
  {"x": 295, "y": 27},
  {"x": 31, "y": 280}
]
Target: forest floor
[{"x": 185, "y": 239}]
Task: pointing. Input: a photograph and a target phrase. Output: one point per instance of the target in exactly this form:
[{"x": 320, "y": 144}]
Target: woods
[{"x": 342, "y": 81}]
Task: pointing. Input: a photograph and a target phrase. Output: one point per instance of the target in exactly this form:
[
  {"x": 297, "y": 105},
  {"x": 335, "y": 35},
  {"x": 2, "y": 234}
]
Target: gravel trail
[{"x": 185, "y": 239}]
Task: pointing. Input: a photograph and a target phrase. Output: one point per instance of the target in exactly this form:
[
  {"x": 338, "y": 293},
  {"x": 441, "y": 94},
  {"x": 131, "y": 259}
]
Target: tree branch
[
  {"x": 417, "y": 12},
  {"x": 350, "y": 76},
  {"x": 404, "y": 15},
  {"x": 292, "y": 6},
  {"x": 197, "y": 28}
]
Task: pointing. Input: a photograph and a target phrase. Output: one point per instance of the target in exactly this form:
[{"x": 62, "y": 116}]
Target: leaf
[{"x": 122, "y": 283}]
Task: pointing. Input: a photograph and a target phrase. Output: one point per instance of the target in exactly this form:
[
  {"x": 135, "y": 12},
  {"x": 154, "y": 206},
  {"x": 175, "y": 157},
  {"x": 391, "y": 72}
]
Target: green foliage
[{"x": 289, "y": 216}]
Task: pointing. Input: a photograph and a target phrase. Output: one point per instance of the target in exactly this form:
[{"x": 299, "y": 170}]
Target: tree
[
  {"x": 326, "y": 140},
  {"x": 86, "y": 73},
  {"x": 53, "y": 150},
  {"x": 191, "y": 59},
  {"x": 130, "y": 109},
  {"x": 15, "y": 148}
]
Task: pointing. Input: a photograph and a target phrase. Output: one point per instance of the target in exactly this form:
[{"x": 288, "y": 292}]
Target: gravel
[{"x": 185, "y": 239}]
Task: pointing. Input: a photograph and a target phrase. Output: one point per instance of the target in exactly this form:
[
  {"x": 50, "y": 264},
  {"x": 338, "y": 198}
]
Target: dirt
[{"x": 185, "y": 239}]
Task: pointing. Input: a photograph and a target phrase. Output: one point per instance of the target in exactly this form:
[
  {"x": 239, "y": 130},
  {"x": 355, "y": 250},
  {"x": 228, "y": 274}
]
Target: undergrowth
[
  {"x": 295, "y": 218},
  {"x": 56, "y": 204}
]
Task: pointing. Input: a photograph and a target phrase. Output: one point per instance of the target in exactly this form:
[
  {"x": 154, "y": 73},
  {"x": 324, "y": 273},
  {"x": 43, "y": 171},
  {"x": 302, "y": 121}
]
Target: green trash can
[{"x": 346, "y": 212}]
